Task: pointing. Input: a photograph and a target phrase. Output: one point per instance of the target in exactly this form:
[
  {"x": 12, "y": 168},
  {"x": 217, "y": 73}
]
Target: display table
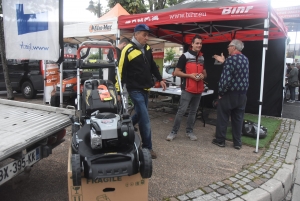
[{"x": 177, "y": 91}]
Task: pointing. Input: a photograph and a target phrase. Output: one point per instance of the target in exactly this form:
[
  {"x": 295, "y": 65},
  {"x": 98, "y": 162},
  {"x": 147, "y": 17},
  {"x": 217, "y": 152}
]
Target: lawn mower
[{"x": 104, "y": 143}]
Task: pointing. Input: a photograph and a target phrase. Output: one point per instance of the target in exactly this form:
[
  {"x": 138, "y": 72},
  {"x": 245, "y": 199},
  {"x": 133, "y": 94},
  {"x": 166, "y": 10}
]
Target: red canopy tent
[
  {"x": 215, "y": 20},
  {"x": 218, "y": 22}
]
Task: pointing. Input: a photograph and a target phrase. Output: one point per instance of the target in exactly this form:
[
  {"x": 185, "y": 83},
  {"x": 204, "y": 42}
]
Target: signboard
[{"x": 31, "y": 29}]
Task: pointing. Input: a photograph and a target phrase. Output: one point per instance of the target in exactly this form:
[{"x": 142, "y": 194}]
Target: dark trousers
[{"x": 231, "y": 104}]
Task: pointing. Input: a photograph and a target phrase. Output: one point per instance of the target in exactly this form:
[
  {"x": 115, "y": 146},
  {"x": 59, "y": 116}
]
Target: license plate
[{"x": 12, "y": 169}]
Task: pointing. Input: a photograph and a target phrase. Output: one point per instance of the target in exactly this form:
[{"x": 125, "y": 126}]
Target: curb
[{"x": 271, "y": 178}]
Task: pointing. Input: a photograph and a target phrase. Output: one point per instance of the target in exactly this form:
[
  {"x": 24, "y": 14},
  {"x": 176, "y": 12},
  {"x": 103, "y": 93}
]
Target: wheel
[
  {"x": 28, "y": 91},
  {"x": 54, "y": 101},
  {"x": 76, "y": 169},
  {"x": 86, "y": 170},
  {"x": 146, "y": 163}
]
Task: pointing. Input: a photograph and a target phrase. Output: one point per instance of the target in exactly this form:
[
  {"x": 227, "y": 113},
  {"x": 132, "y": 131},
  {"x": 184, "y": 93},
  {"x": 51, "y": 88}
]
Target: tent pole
[
  {"x": 265, "y": 47},
  {"x": 61, "y": 100},
  {"x": 118, "y": 37}
]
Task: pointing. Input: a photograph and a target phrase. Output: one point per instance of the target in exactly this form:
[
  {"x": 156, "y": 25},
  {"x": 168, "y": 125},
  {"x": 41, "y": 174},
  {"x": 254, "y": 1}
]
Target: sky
[{"x": 75, "y": 11}]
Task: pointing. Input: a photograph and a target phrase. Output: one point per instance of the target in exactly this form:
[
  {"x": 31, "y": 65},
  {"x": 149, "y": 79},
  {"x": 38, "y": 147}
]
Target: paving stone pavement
[{"x": 272, "y": 178}]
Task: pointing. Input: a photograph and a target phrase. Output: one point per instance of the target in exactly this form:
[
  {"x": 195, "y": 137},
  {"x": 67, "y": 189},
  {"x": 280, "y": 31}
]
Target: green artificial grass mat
[{"x": 270, "y": 123}]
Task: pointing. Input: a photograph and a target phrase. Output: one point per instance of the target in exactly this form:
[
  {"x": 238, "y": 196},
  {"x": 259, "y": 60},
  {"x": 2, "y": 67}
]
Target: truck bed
[{"x": 23, "y": 124}]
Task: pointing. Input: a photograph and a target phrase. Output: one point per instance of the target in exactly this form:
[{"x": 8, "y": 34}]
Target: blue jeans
[
  {"x": 292, "y": 92},
  {"x": 141, "y": 116},
  {"x": 187, "y": 99}
]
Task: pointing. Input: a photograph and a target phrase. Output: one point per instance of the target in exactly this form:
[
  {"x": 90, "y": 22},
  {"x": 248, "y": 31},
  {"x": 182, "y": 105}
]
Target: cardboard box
[{"x": 126, "y": 188}]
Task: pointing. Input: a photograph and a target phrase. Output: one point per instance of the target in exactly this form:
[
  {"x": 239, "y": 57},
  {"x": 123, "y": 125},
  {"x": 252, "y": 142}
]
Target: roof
[
  {"x": 116, "y": 11},
  {"x": 214, "y": 20}
]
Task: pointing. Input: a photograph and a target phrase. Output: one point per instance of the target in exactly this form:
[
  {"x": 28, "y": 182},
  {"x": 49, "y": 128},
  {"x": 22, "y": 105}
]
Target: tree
[
  {"x": 170, "y": 54},
  {"x": 173, "y": 2},
  {"x": 9, "y": 90},
  {"x": 156, "y": 4},
  {"x": 131, "y": 6}
]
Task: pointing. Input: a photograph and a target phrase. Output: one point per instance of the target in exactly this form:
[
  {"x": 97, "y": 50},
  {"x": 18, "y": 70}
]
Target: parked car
[
  {"x": 25, "y": 76},
  {"x": 167, "y": 73}
]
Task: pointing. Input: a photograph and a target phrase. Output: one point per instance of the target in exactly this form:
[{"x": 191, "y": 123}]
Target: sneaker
[
  {"x": 153, "y": 154},
  {"x": 237, "y": 147},
  {"x": 220, "y": 144},
  {"x": 171, "y": 136},
  {"x": 290, "y": 101},
  {"x": 191, "y": 136}
]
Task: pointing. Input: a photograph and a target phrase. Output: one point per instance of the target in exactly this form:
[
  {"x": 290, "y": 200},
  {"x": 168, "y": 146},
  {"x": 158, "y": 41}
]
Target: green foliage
[
  {"x": 170, "y": 54},
  {"x": 131, "y": 6},
  {"x": 271, "y": 124}
]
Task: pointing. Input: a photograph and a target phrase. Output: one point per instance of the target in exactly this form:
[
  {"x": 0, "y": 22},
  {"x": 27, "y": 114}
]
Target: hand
[
  {"x": 119, "y": 98},
  {"x": 163, "y": 85},
  {"x": 220, "y": 97},
  {"x": 220, "y": 58},
  {"x": 194, "y": 76}
]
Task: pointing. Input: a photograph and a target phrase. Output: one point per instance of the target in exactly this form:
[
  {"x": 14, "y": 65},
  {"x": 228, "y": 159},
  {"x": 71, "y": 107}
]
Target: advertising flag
[{"x": 31, "y": 29}]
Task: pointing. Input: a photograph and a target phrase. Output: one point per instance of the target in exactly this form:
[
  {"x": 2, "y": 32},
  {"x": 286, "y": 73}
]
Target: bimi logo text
[{"x": 236, "y": 10}]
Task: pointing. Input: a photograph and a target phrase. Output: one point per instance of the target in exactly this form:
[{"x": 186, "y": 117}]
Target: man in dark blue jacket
[{"x": 233, "y": 86}]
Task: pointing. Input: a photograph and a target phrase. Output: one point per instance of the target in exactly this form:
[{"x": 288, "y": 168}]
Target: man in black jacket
[
  {"x": 110, "y": 55},
  {"x": 136, "y": 67}
]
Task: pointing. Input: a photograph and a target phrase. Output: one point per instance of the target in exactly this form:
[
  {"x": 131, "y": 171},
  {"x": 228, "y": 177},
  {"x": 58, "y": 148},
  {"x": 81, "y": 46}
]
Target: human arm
[
  {"x": 225, "y": 80},
  {"x": 180, "y": 70},
  {"x": 220, "y": 58}
]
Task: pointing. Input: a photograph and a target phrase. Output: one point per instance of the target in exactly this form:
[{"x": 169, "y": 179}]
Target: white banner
[
  {"x": 95, "y": 28},
  {"x": 31, "y": 29}
]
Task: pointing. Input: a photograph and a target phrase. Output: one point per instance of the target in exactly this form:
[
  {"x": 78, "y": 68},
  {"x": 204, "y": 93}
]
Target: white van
[{"x": 168, "y": 73}]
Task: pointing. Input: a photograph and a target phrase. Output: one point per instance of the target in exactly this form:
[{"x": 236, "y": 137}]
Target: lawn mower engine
[{"x": 107, "y": 131}]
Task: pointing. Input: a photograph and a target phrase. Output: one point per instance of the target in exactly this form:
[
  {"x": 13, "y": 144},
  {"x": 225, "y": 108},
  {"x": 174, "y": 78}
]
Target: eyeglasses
[{"x": 230, "y": 45}]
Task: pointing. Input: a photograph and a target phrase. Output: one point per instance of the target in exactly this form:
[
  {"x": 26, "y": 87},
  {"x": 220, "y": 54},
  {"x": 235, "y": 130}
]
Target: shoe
[
  {"x": 237, "y": 147},
  {"x": 191, "y": 136},
  {"x": 290, "y": 101},
  {"x": 153, "y": 154},
  {"x": 171, "y": 136},
  {"x": 220, "y": 144}
]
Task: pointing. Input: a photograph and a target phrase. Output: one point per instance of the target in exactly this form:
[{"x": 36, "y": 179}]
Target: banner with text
[
  {"x": 288, "y": 12},
  {"x": 31, "y": 29}
]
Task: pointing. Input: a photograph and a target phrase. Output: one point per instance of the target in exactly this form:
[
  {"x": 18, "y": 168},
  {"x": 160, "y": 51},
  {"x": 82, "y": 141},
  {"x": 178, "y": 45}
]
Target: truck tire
[
  {"x": 76, "y": 169},
  {"x": 28, "y": 91},
  {"x": 146, "y": 163},
  {"x": 54, "y": 101}
]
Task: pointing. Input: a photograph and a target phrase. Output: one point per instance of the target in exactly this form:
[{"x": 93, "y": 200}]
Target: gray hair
[{"x": 239, "y": 45}]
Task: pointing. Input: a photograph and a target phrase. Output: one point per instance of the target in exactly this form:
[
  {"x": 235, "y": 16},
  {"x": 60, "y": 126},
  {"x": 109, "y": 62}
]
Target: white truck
[{"x": 28, "y": 133}]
